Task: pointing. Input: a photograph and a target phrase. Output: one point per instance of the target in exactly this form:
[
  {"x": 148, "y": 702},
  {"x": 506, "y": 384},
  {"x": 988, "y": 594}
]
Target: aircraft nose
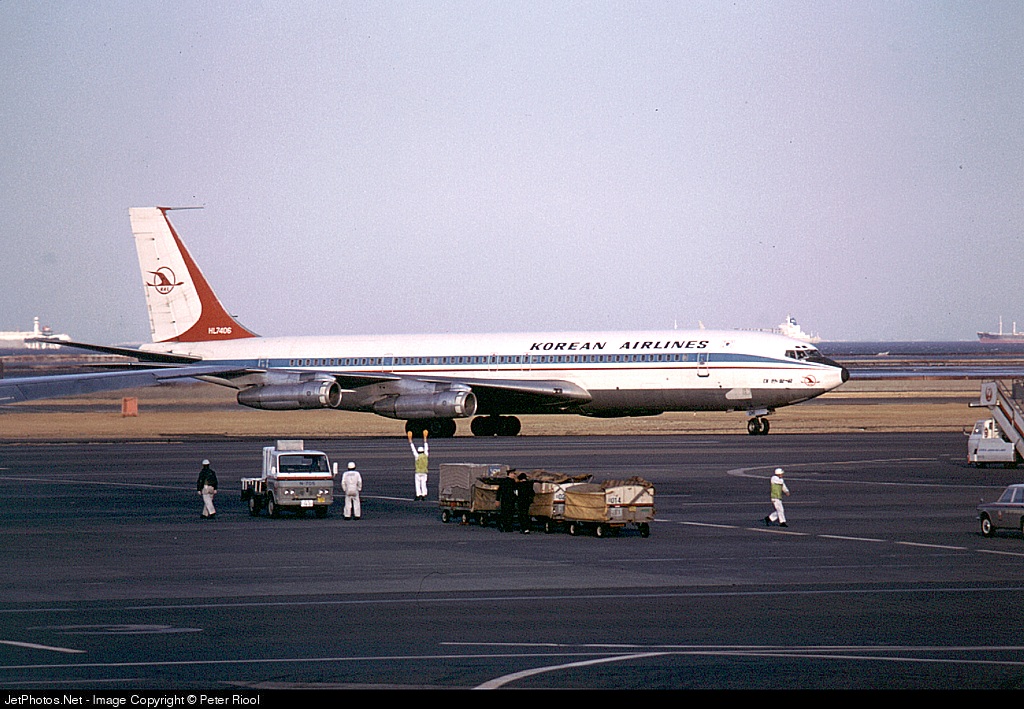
[{"x": 844, "y": 372}]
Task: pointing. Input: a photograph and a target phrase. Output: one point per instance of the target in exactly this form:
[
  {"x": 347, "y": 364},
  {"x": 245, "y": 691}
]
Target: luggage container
[
  {"x": 463, "y": 494},
  {"x": 548, "y": 506},
  {"x": 609, "y": 506}
]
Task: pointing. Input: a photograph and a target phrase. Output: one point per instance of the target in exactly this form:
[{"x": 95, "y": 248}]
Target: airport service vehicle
[
  {"x": 432, "y": 380},
  {"x": 294, "y": 479},
  {"x": 605, "y": 508},
  {"x": 1005, "y": 513},
  {"x": 988, "y": 444}
]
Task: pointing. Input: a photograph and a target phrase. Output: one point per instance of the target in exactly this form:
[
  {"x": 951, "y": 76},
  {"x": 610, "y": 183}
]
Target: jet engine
[
  {"x": 444, "y": 404},
  {"x": 314, "y": 394}
]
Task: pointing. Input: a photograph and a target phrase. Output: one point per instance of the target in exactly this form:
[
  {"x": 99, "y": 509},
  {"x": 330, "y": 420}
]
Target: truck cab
[
  {"x": 294, "y": 479},
  {"x": 988, "y": 444}
]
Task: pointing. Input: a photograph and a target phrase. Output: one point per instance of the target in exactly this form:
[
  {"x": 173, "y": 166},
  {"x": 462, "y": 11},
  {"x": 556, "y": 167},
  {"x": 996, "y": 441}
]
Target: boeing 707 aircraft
[{"x": 429, "y": 381}]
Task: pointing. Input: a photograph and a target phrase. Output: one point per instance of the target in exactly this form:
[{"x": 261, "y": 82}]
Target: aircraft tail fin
[{"x": 182, "y": 305}]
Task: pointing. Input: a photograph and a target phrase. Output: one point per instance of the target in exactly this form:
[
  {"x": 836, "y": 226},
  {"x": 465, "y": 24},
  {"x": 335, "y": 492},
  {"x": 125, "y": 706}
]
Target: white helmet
[
  {"x": 420, "y": 449},
  {"x": 779, "y": 471},
  {"x": 206, "y": 462},
  {"x": 351, "y": 466}
]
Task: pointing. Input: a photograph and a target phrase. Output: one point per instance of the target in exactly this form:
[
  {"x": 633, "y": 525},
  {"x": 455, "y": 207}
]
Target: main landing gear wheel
[
  {"x": 496, "y": 426},
  {"x": 437, "y": 428},
  {"x": 758, "y": 426}
]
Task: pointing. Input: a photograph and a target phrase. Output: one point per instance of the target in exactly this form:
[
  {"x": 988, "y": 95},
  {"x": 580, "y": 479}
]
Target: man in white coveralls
[{"x": 352, "y": 485}]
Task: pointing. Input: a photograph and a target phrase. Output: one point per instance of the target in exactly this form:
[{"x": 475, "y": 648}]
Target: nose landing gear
[{"x": 758, "y": 426}]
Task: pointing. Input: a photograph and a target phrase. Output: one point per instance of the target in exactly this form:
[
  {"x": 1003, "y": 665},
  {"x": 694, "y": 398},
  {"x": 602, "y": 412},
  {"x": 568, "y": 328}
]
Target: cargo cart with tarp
[
  {"x": 607, "y": 507},
  {"x": 548, "y": 502},
  {"x": 464, "y": 496},
  {"x": 548, "y": 506}
]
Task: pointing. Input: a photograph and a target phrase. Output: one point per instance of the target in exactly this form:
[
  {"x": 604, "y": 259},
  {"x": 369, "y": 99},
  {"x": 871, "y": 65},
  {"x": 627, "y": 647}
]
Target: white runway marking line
[
  {"x": 34, "y": 646},
  {"x": 841, "y": 537},
  {"x": 1004, "y": 553},
  {"x": 747, "y": 473},
  {"x": 65, "y": 481},
  {"x": 707, "y": 524},
  {"x": 498, "y": 682},
  {"x": 806, "y": 652},
  {"x": 932, "y": 546},
  {"x": 798, "y": 652},
  {"x": 769, "y": 530}
]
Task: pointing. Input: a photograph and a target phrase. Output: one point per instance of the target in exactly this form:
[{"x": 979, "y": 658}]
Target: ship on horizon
[
  {"x": 18, "y": 340},
  {"x": 789, "y": 328},
  {"x": 992, "y": 337}
]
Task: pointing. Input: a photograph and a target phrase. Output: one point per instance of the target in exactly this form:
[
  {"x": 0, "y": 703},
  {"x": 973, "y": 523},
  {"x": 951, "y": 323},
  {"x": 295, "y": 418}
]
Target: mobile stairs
[{"x": 1007, "y": 411}]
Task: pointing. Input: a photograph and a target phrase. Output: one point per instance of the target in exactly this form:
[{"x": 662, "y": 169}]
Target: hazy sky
[{"x": 386, "y": 167}]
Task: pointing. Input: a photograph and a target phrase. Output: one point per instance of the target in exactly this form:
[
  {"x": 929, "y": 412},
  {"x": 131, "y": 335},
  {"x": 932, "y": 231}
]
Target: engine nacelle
[
  {"x": 314, "y": 394},
  {"x": 444, "y": 405}
]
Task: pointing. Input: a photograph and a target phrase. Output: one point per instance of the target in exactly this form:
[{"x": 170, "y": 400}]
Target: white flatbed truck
[{"x": 294, "y": 479}]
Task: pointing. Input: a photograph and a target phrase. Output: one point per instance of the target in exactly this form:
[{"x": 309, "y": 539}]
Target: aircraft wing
[
  {"x": 510, "y": 394},
  {"x": 491, "y": 394},
  {"x": 50, "y": 386}
]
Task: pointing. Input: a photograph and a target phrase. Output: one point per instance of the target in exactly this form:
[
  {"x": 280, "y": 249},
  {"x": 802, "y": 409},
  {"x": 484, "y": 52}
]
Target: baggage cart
[
  {"x": 548, "y": 506},
  {"x": 605, "y": 508},
  {"x": 464, "y": 494}
]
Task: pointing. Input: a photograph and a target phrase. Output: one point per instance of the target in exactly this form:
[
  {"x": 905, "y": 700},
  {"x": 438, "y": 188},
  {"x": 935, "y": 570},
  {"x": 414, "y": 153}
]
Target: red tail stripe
[{"x": 214, "y": 322}]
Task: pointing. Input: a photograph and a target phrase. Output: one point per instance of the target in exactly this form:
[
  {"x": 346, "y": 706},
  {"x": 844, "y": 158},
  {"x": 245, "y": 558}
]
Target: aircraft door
[{"x": 702, "y": 365}]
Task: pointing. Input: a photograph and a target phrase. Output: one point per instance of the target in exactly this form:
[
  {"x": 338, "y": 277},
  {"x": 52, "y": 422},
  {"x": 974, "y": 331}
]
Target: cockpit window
[{"x": 801, "y": 353}]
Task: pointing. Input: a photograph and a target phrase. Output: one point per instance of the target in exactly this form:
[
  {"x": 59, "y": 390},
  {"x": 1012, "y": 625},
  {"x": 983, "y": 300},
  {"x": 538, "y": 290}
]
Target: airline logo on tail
[
  {"x": 163, "y": 281},
  {"x": 181, "y": 309}
]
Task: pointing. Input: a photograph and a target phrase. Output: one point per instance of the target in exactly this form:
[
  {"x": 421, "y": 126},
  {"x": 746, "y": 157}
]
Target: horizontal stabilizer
[
  {"x": 45, "y": 387},
  {"x": 141, "y": 355}
]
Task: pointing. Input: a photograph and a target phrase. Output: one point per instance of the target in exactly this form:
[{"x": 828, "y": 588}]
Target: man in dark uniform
[
  {"x": 507, "y": 501},
  {"x": 524, "y": 497},
  {"x": 206, "y": 486}
]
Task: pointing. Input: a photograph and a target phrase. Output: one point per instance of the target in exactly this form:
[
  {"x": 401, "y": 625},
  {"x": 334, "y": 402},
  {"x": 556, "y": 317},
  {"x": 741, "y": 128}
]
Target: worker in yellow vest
[
  {"x": 420, "y": 454},
  {"x": 778, "y": 490}
]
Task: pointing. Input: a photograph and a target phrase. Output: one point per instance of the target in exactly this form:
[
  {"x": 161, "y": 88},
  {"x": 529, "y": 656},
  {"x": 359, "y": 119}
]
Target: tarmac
[{"x": 881, "y": 580}]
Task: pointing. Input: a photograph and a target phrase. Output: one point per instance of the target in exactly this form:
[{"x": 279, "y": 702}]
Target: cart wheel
[
  {"x": 482, "y": 520},
  {"x": 601, "y": 531},
  {"x": 254, "y": 507},
  {"x": 574, "y": 529},
  {"x": 446, "y": 516},
  {"x": 549, "y": 526},
  {"x": 645, "y": 530},
  {"x": 465, "y": 518},
  {"x": 272, "y": 509}
]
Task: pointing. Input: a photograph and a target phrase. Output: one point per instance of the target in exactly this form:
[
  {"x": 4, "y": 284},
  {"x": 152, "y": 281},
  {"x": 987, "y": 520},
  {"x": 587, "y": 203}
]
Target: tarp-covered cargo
[
  {"x": 456, "y": 480},
  {"x": 613, "y": 501},
  {"x": 548, "y": 490}
]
